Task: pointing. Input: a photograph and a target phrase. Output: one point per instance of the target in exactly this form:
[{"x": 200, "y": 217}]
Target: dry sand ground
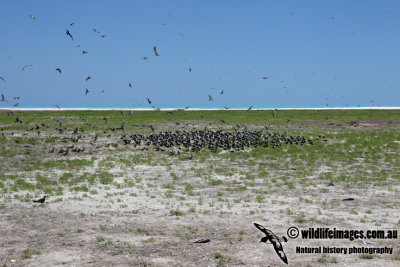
[{"x": 132, "y": 225}]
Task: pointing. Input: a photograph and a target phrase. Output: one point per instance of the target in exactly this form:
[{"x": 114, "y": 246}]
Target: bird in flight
[
  {"x": 210, "y": 98},
  {"x": 275, "y": 241},
  {"x": 3, "y": 99},
  {"x": 130, "y": 85},
  {"x": 265, "y": 77},
  {"x": 84, "y": 52},
  {"x": 249, "y": 108},
  {"x": 69, "y": 34},
  {"x": 40, "y": 200},
  {"x": 145, "y": 58},
  {"x": 155, "y": 51},
  {"x": 32, "y": 17},
  {"x": 58, "y": 106},
  {"x": 222, "y": 92},
  {"x": 148, "y": 100},
  {"x": 190, "y": 69},
  {"x": 59, "y": 70},
  {"x": 4, "y": 80},
  {"x": 88, "y": 78},
  {"x": 95, "y": 30},
  {"x": 104, "y": 35},
  {"x": 102, "y": 91},
  {"x": 24, "y": 67},
  {"x": 72, "y": 24},
  {"x": 16, "y": 104},
  {"x": 87, "y": 91}
]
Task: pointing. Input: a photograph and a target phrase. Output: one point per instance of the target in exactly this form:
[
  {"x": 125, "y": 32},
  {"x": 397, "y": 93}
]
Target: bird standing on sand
[
  {"x": 69, "y": 34},
  {"x": 275, "y": 241},
  {"x": 40, "y": 200},
  {"x": 155, "y": 51}
]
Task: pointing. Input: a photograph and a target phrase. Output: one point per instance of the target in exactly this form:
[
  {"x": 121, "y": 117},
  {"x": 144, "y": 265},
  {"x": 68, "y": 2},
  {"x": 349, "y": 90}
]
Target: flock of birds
[
  {"x": 213, "y": 140},
  {"x": 87, "y": 91}
]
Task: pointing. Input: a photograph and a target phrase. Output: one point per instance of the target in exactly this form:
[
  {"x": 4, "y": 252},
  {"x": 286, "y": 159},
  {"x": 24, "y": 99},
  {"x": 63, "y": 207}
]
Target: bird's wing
[
  {"x": 280, "y": 253},
  {"x": 262, "y": 229},
  {"x": 1, "y": 78}
]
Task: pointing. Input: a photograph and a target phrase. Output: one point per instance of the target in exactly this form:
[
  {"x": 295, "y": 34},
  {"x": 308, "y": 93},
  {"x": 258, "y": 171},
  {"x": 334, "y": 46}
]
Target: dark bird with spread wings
[
  {"x": 3, "y": 99},
  {"x": 148, "y": 100},
  {"x": 24, "y": 67},
  {"x": 155, "y": 51},
  {"x": 275, "y": 241},
  {"x": 87, "y": 78},
  {"x": 59, "y": 70},
  {"x": 69, "y": 34},
  {"x": 87, "y": 91}
]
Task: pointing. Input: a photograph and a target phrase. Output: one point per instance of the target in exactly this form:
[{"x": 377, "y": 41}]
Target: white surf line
[{"x": 201, "y": 109}]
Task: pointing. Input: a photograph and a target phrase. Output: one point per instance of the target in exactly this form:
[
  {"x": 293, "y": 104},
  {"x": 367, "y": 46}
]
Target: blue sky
[{"x": 315, "y": 53}]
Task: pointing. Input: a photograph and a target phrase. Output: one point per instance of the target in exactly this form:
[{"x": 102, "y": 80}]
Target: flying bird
[
  {"x": 104, "y": 35},
  {"x": 148, "y": 100},
  {"x": 24, "y": 67},
  {"x": 59, "y": 70},
  {"x": 145, "y": 58},
  {"x": 130, "y": 85},
  {"x": 69, "y": 34},
  {"x": 58, "y": 106},
  {"x": 84, "y": 52},
  {"x": 4, "y": 80},
  {"x": 32, "y": 17},
  {"x": 72, "y": 24},
  {"x": 87, "y": 91},
  {"x": 3, "y": 99},
  {"x": 155, "y": 51},
  {"x": 102, "y": 91},
  {"x": 275, "y": 241},
  {"x": 249, "y": 108},
  {"x": 16, "y": 104},
  {"x": 40, "y": 200},
  {"x": 95, "y": 30},
  {"x": 88, "y": 78},
  {"x": 265, "y": 77},
  {"x": 222, "y": 92},
  {"x": 190, "y": 69},
  {"x": 210, "y": 98}
]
